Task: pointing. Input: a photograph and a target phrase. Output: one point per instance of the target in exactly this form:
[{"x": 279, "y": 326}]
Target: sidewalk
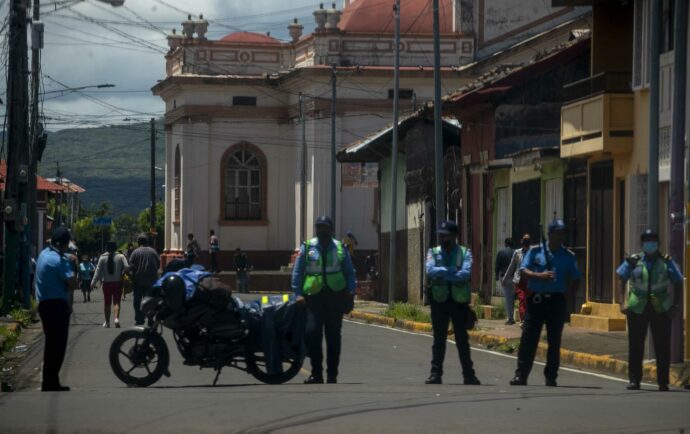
[{"x": 605, "y": 352}]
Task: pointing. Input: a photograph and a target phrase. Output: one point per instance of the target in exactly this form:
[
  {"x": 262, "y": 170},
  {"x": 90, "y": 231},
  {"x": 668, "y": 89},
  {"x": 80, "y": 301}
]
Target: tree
[
  {"x": 91, "y": 238},
  {"x": 144, "y": 221},
  {"x": 126, "y": 229}
]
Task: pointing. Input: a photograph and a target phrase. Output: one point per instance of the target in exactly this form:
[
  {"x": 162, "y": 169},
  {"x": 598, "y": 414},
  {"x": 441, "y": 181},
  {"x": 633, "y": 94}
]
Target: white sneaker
[
  {"x": 106, "y": 325},
  {"x": 117, "y": 323}
]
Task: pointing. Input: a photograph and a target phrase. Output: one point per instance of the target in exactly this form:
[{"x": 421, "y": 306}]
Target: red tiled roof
[
  {"x": 250, "y": 38},
  {"x": 42, "y": 184},
  {"x": 376, "y": 16}
]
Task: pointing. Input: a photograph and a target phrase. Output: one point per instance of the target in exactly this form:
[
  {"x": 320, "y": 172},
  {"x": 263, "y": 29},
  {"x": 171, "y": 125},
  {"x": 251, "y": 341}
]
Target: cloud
[{"x": 93, "y": 43}]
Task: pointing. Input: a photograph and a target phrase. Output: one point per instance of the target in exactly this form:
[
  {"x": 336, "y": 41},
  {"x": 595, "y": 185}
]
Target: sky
[{"x": 89, "y": 43}]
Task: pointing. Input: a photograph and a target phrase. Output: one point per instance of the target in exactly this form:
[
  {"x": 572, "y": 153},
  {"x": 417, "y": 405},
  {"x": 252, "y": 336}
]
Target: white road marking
[{"x": 508, "y": 356}]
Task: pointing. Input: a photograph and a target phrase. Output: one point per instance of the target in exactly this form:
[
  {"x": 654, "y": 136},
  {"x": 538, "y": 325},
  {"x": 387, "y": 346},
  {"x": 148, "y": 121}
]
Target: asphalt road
[{"x": 381, "y": 390}]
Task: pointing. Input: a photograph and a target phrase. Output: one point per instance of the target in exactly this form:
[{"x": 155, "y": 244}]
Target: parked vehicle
[{"x": 211, "y": 329}]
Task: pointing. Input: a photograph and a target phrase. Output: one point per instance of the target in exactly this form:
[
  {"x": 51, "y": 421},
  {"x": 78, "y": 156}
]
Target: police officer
[
  {"x": 550, "y": 270},
  {"x": 648, "y": 304},
  {"x": 323, "y": 278},
  {"x": 449, "y": 268}
]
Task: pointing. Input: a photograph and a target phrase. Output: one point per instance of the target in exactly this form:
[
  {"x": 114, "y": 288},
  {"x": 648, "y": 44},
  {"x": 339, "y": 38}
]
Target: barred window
[{"x": 244, "y": 173}]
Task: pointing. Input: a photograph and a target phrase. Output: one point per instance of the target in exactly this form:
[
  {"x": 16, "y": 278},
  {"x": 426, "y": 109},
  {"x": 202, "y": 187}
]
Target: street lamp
[{"x": 75, "y": 89}]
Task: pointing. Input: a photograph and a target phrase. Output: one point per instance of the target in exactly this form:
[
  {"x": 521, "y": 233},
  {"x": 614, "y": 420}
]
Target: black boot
[
  {"x": 318, "y": 379},
  {"x": 633, "y": 385},
  {"x": 472, "y": 381},
  {"x": 434, "y": 379},
  {"x": 518, "y": 381}
]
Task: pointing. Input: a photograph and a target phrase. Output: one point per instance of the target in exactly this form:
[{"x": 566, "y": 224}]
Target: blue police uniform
[
  {"x": 53, "y": 272},
  {"x": 649, "y": 318},
  {"x": 326, "y": 306},
  {"x": 449, "y": 271},
  {"x": 546, "y": 305}
]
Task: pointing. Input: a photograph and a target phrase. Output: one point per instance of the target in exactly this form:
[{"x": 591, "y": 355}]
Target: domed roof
[
  {"x": 250, "y": 38},
  {"x": 376, "y": 16}
]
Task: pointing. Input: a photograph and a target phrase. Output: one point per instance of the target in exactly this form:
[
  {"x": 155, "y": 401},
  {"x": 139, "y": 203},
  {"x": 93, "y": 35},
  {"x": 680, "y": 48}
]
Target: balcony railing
[{"x": 604, "y": 82}]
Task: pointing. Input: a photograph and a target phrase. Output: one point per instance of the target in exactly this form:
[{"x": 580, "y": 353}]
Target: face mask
[
  {"x": 447, "y": 245},
  {"x": 650, "y": 247},
  {"x": 323, "y": 234}
]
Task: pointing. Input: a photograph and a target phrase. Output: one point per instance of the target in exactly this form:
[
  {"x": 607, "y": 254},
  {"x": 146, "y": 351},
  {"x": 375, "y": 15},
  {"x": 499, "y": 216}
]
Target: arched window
[
  {"x": 244, "y": 170},
  {"x": 178, "y": 178}
]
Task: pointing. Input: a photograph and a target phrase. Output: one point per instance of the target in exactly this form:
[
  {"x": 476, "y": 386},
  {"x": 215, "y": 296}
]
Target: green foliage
[
  {"x": 110, "y": 162},
  {"x": 23, "y": 316},
  {"x": 11, "y": 337},
  {"x": 477, "y": 306},
  {"x": 499, "y": 312},
  {"x": 126, "y": 230},
  {"x": 407, "y": 311},
  {"x": 91, "y": 238},
  {"x": 144, "y": 221}
]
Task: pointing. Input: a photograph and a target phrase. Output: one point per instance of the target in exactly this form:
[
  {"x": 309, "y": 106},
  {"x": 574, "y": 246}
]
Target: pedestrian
[
  {"x": 72, "y": 256},
  {"x": 514, "y": 276},
  {"x": 214, "y": 248},
  {"x": 110, "y": 269},
  {"x": 551, "y": 270},
  {"x": 130, "y": 249},
  {"x": 649, "y": 304},
  {"x": 350, "y": 242},
  {"x": 323, "y": 279},
  {"x": 55, "y": 279},
  {"x": 242, "y": 268},
  {"x": 86, "y": 270},
  {"x": 193, "y": 249},
  {"x": 449, "y": 269},
  {"x": 144, "y": 265},
  {"x": 503, "y": 259}
]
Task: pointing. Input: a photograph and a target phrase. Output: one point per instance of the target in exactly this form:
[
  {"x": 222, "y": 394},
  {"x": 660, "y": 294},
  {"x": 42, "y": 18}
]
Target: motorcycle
[{"x": 211, "y": 329}]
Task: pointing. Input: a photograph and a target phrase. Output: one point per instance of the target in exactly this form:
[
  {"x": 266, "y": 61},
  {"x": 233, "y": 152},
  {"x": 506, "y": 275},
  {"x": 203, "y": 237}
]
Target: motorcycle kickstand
[{"x": 215, "y": 380}]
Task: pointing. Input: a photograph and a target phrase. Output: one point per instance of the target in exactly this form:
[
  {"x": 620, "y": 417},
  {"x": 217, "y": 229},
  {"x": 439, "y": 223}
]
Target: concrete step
[{"x": 596, "y": 322}]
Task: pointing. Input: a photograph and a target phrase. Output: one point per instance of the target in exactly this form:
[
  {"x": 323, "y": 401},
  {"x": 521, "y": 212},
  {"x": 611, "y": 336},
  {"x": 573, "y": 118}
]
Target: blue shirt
[
  {"x": 53, "y": 270},
  {"x": 625, "y": 270},
  {"x": 563, "y": 263},
  {"x": 448, "y": 271},
  {"x": 301, "y": 264},
  {"x": 86, "y": 270}
]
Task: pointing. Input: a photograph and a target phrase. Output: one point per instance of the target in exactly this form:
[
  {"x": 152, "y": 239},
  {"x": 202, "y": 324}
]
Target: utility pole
[
  {"x": 152, "y": 223},
  {"x": 303, "y": 172},
  {"x": 36, "y": 145},
  {"x": 438, "y": 132},
  {"x": 653, "y": 173},
  {"x": 394, "y": 162},
  {"x": 677, "y": 187},
  {"x": 334, "y": 82},
  {"x": 15, "y": 200}
]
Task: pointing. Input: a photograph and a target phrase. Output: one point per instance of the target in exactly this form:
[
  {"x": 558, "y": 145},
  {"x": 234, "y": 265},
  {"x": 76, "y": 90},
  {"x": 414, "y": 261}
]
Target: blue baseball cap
[
  {"x": 324, "y": 221},
  {"x": 557, "y": 225},
  {"x": 448, "y": 227}
]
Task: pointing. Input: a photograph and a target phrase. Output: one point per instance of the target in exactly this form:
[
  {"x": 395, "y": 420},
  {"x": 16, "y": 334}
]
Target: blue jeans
[{"x": 509, "y": 295}]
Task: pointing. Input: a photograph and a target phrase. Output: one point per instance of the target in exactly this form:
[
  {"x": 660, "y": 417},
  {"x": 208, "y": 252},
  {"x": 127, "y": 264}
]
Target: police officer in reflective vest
[
  {"x": 323, "y": 278},
  {"x": 449, "y": 268},
  {"x": 649, "y": 276},
  {"x": 550, "y": 270}
]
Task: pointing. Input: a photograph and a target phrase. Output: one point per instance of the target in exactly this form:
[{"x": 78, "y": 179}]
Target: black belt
[{"x": 541, "y": 296}]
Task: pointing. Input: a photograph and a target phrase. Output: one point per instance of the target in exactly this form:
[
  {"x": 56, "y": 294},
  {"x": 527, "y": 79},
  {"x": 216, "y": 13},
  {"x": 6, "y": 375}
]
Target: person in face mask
[
  {"x": 648, "y": 276},
  {"x": 323, "y": 279},
  {"x": 449, "y": 268}
]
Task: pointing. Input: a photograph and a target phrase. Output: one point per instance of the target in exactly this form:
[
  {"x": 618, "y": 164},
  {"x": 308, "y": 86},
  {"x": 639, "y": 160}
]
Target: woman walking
[
  {"x": 86, "y": 270},
  {"x": 111, "y": 266}
]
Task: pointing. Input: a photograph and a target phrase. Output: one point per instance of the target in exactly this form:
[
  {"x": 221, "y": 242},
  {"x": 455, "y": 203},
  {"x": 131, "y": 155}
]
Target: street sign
[{"x": 103, "y": 221}]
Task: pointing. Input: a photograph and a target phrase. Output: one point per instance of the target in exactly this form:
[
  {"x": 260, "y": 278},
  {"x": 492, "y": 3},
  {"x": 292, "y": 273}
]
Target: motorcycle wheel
[
  {"x": 138, "y": 364},
  {"x": 256, "y": 366}
]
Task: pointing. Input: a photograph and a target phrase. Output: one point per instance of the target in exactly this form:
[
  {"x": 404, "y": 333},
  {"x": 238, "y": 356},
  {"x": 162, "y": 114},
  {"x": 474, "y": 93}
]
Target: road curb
[{"x": 602, "y": 363}]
